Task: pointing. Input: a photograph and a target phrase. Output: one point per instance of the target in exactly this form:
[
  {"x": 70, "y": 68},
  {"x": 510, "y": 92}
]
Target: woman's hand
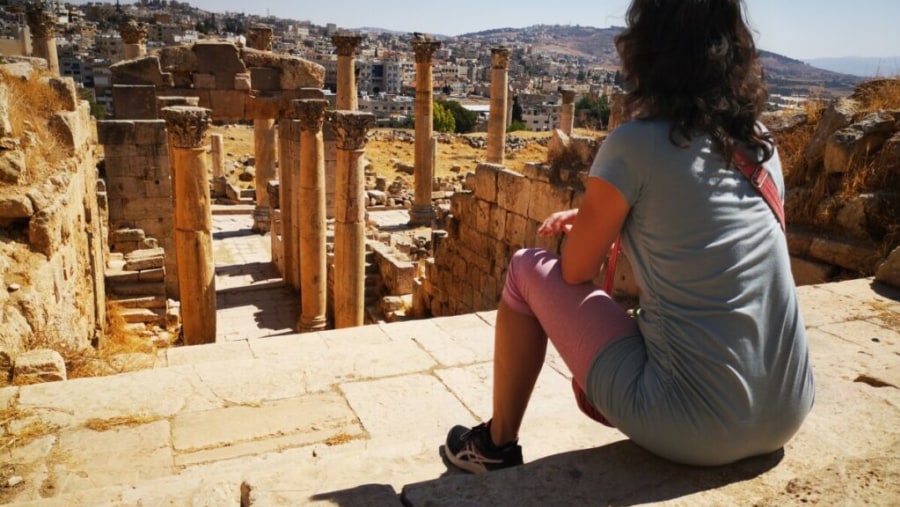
[{"x": 558, "y": 222}]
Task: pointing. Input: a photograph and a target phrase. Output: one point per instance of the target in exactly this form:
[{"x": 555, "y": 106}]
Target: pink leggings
[{"x": 579, "y": 319}]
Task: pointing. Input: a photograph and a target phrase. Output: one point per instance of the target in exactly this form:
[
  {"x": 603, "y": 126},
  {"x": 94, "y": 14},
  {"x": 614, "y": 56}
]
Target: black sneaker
[{"x": 473, "y": 451}]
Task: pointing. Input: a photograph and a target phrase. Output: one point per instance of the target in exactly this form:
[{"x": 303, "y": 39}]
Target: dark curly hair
[{"x": 694, "y": 63}]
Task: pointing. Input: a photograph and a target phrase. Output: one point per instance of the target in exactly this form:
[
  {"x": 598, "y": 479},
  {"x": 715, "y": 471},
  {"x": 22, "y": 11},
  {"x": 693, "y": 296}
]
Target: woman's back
[{"x": 724, "y": 339}]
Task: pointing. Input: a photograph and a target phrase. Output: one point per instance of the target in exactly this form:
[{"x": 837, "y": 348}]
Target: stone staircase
[{"x": 135, "y": 279}]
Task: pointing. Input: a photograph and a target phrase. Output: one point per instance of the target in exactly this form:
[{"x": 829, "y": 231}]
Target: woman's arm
[{"x": 594, "y": 227}]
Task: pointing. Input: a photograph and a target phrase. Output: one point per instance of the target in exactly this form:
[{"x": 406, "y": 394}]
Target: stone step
[
  {"x": 148, "y": 302},
  {"x": 142, "y": 316},
  {"x": 138, "y": 289}
]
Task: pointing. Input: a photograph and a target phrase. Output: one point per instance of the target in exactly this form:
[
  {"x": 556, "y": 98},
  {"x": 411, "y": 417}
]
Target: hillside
[{"x": 596, "y": 47}]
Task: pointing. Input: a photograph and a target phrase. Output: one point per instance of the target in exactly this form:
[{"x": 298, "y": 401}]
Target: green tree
[
  {"x": 592, "y": 112},
  {"x": 465, "y": 119},
  {"x": 516, "y": 125},
  {"x": 443, "y": 119},
  {"x": 517, "y": 110}
]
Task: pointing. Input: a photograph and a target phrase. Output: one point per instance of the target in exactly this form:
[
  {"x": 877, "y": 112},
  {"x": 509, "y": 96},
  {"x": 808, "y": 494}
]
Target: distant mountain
[
  {"x": 859, "y": 66},
  {"x": 784, "y": 75}
]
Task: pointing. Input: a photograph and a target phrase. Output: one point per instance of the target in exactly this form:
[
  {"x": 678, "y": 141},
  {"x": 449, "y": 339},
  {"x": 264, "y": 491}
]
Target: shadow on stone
[
  {"x": 619, "y": 474},
  {"x": 361, "y": 496},
  {"x": 233, "y": 234}
]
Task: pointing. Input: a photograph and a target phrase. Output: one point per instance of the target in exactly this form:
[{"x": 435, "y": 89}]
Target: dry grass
[
  {"x": 119, "y": 340},
  {"x": 339, "y": 439},
  {"x": 879, "y": 94},
  {"x": 9, "y": 439},
  {"x": 31, "y": 106},
  {"x": 868, "y": 173},
  {"x": 117, "y": 422}
]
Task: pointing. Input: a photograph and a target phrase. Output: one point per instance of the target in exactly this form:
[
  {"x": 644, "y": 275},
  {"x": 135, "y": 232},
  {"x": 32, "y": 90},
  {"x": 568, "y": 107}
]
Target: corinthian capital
[
  {"x": 425, "y": 50},
  {"x": 311, "y": 113},
  {"x": 350, "y": 128},
  {"x": 40, "y": 22},
  {"x": 133, "y": 32},
  {"x": 261, "y": 37},
  {"x": 187, "y": 125},
  {"x": 346, "y": 44},
  {"x": 500, "y": 58}
]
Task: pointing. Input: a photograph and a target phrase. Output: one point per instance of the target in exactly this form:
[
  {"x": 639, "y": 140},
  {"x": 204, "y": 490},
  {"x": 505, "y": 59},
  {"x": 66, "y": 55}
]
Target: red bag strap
[
  {"x": 762, "y": 181},
  {"x": 610, "y": 277}
]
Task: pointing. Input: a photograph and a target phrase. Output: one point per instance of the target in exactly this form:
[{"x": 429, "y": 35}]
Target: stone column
[
  {"x": 350, "y": 209},
  {"x": 187, "y": 128},
  {"x": 311, "y": 190},
  {"x": 260, "y": 37},
  {"x": 346, "y": 71},
  {"x": 288, "y": 154},
  {"x": 567, "y": 111},
  {"x": 265, "y": 151},
  {"x": 217, "y": 150},
  {"x": 43, "y": 40},
  {"x": 134, "y": 36},
  {"x": 496, "y": 141},
  {"x": 616, "y": 111},
  {"x": 422, "y": 211}
]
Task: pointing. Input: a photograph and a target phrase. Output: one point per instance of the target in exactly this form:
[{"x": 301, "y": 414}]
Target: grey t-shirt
[{"x": 721, "y": 369}]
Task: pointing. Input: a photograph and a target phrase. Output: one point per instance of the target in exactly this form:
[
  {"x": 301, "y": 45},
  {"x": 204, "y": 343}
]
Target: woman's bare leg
[{"x": 520, "y": 345}]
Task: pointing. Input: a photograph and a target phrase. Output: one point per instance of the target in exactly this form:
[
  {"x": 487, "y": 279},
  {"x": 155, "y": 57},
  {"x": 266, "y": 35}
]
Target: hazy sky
[{"x": 796, "y": 28}]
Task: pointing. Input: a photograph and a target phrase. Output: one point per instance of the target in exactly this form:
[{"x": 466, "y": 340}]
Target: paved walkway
[{"x": 354, "y": 417}]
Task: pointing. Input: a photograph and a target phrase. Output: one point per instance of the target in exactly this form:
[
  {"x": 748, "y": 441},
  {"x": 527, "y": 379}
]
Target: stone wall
[
  {"x": 139, "y": 186},
  {"x": 499, "y": 214},
  {"x": 52, "y": 237}
]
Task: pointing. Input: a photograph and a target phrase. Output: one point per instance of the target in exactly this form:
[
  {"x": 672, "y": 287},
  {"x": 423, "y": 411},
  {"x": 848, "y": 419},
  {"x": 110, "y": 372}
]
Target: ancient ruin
[{"x": 90, "y": 252}]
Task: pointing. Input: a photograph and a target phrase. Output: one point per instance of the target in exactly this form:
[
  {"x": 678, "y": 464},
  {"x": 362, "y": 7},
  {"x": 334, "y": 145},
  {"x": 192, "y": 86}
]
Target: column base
[
  {"x": 262, "y": 223},
  {"x": 421, "y": 215},
  {"x": 311, "y": 324},
  {"x": 219, "y": 185}
]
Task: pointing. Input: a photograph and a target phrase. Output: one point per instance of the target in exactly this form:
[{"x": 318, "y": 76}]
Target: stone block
[
  {"x": 850, "y": 147},
  {"x": 516, "y": 229},
  {"x": 127, "y": 235},
  {"x": 838, "y": 115},
  {"x": 6, "y": 368},
  {"x": 14, "y": 204},
  {"x": 242, "y": 81},
  {"x": 115, "y": 132},
  {"x": 161, "y": 187},
  {"x": 38, "y": 366},
  {"x": 148, "y": 207},
  {"x": 176, "y": 100},
  {"x": 513, "y": 192},
  {"x": 497, "y": 227},
  {"x": 854, "y": 257},
  {"x": 265, "y": 78},
  {"x": 485, "y": 181},
  {"x": 536, "y": 171},
  {"x": 482, "y": 222},
  {"x": 5, "y": 125},
  {"x": 65, "y": 89},
  {"x": 811, "y": 273},
  {"x": 546, "y": 198},
  {"x": 134, "y": 102},
  {"x": 12, "y": 166},
  {"x": 263, "y": 108},
  {"x": 462, "y": 206},
  {"x": 204, "y": 81},
  {"x": 150, "y": 132},
  {"x": 140, "y": 71},
  {"x": 218, "y": 57},
  {"x": 227, "y": 104},
  {"x": 889, "y": 271}
]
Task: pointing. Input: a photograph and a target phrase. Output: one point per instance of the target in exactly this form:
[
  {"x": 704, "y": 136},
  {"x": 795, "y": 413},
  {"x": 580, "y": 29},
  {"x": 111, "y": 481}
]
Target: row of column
[{"x": 187, "y": 127}]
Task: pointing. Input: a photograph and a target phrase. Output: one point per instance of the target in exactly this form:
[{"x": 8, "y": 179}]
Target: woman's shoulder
[{"x": 641, "y": 129}]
